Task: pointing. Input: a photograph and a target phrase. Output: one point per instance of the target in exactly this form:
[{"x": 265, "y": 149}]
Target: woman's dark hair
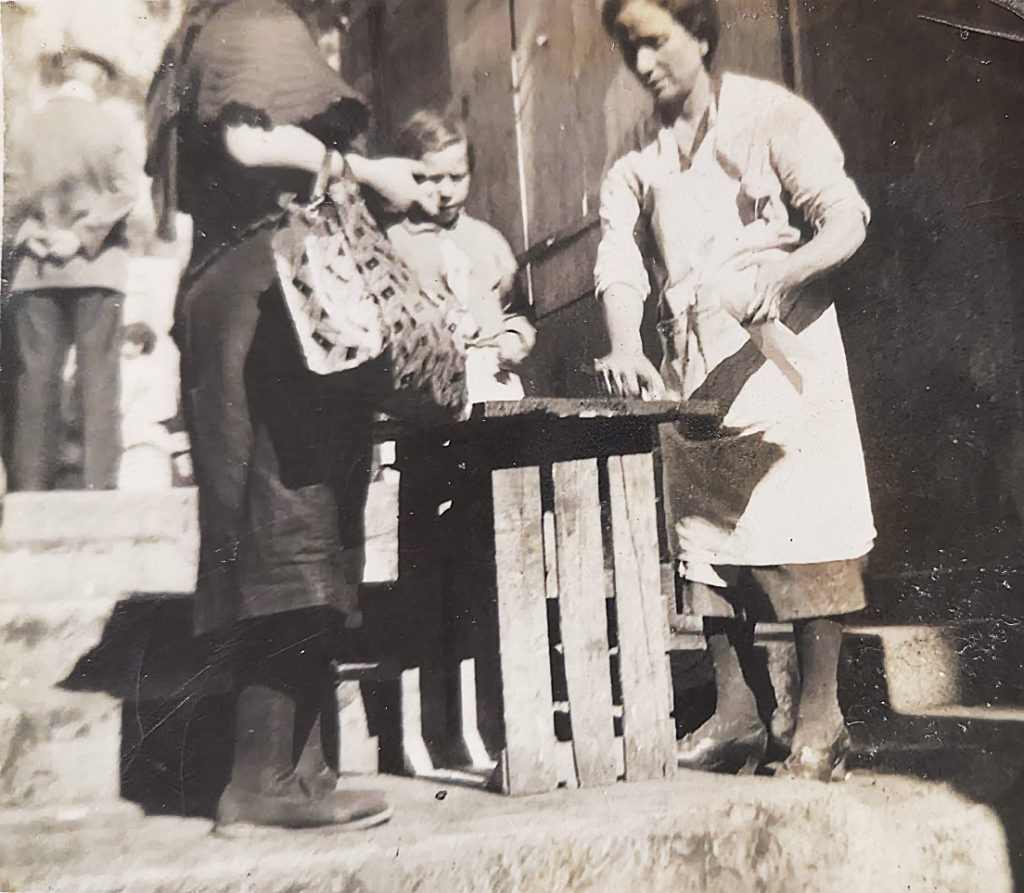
[
  {"x": 699, "y": 17},
  {"x": 428, "y": 131}
]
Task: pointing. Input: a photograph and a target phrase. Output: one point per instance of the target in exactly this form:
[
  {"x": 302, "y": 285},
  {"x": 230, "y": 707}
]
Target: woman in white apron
[{"x": 771, "y": 509}]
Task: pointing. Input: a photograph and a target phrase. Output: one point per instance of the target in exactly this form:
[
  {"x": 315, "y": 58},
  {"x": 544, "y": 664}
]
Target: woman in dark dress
[{"x": 243, "y": 110}]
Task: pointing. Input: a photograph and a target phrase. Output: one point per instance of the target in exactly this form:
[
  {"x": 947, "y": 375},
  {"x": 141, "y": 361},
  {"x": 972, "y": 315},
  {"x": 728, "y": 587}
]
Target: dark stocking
[
  {"x": 817, "y": 648},
  {"x": 731, "y": 644}
]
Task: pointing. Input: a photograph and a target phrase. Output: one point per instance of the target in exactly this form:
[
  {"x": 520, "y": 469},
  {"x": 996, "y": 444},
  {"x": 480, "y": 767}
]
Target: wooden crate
[{"x": 529, "y": 545}]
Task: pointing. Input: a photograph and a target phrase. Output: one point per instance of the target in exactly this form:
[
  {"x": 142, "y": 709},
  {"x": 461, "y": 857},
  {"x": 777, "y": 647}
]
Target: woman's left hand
[{"x": 774, "y": 279}]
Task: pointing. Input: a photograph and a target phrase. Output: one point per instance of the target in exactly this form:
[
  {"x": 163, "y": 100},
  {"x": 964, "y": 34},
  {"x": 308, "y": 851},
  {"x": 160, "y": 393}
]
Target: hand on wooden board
[{"x": 630, "y": 374}]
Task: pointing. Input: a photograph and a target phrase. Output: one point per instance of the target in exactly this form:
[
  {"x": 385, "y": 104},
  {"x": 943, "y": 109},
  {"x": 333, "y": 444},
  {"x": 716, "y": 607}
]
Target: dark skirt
[
  {"x": 781, "y": 592},
  {"x": 281, "y": 455}
]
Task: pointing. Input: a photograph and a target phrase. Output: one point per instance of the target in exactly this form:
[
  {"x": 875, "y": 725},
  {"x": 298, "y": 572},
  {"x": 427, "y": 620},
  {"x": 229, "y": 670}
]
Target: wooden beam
[
  {"x": 523, "y": 632},
  {"x": 648, "y": 730},
  {"x": 584, "y": 620}
]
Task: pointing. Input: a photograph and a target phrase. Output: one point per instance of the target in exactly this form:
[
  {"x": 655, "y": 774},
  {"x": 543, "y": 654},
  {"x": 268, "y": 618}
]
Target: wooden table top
[
  {"x": 594, "y": 407},
  {"x": 560, "y": 408}
]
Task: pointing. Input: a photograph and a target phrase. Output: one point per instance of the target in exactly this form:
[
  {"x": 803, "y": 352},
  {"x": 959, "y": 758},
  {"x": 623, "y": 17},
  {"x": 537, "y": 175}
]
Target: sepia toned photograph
[{"x": 512, "y": 446}]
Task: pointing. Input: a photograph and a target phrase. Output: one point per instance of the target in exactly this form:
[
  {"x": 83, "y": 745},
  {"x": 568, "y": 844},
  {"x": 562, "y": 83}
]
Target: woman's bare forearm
[
  {"x": 285, "y": 146},
  {"x": 290, "y": 146},
  {"x": 623, "y": 313},
  {"x": 293, "y": 147},
  {"x": 840, "y": 235}
]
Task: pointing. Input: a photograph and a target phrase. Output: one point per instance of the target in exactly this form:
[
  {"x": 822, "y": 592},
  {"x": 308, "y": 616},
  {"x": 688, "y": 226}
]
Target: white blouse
[
  {"x": 786, "y": 481},
  {"x": 771, "y": 138}
]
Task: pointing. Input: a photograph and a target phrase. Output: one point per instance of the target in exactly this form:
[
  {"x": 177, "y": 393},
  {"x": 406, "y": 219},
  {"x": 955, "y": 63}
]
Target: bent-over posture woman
[
  {"x": 741, "y": 201},
  {"x": 243, "y": 110}
]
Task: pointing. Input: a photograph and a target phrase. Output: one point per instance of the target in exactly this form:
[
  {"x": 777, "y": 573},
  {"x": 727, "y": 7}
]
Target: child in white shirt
[{"x": 465, "y": 254}]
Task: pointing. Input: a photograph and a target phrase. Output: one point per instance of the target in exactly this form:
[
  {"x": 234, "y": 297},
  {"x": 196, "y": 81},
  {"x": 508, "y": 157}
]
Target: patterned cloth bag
[{"x": 351, "y": 299}]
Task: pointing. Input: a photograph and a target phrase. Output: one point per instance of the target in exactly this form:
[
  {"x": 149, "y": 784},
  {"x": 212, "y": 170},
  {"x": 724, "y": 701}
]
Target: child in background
[
  {"x": 468, "y": 255},
  {"x": 149, "y": 399}
]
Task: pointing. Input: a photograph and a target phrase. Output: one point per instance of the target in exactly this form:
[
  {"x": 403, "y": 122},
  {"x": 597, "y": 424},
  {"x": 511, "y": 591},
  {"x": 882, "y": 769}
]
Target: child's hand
[
  {"x": 512, "y": 349},
  {"x": 64, "y": 245}
]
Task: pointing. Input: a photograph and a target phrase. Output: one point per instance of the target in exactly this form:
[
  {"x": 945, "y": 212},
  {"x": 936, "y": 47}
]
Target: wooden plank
[
  {"x": 480, "y": 51},
  {"x": 596, "y": 407},
  {"x": 413, "y": 60},
  {"x": 584, "y": 620},
  {"x": 648, "y": 730},
  {"x": 422, "y": 642},
  {"x": 415, "y": 754},
  {"x": 751, "y": 40},
  {"x": 523, "y": 632},
  {"x": 472, "y": 741},
  {"x": 359, "y": 749},
  {"x": 380, "y": 520},
  {"x": 565, "y": 66}
]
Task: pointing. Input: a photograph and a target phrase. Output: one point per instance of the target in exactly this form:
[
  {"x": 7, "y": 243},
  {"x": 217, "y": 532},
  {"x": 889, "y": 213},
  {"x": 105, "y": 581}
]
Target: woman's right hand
[
  {"x": 399, "y": 181},
  {"x": 630, "y": 374}
]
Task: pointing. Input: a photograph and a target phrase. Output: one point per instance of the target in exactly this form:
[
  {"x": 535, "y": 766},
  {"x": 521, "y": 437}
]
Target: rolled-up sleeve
[
  {"x": 619, "y": 259},
  {"x": 809, "y": 163}
]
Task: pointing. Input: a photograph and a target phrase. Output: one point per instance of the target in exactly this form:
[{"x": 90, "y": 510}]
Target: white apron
[{"x": 788, "y": 485}]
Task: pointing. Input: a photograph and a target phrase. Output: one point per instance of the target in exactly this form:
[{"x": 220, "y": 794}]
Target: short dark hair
[
  {"x": 429, "y": 131},
  {"x": 699, "y": 17},
  {"x": 139, "y": 333}
]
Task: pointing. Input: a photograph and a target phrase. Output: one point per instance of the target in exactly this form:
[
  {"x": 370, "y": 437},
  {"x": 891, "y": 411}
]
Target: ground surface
[{"x": 699, "y": 832}]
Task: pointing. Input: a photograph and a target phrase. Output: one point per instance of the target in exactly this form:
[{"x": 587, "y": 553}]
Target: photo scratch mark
[{"x": 975, "y": 29}]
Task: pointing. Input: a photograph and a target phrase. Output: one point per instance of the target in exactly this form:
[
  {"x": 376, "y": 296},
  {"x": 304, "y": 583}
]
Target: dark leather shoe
[
  {"x": 705, "y": 751},
  {"x": 288, "y": 803},
  {"x": 819, "y": 763}
]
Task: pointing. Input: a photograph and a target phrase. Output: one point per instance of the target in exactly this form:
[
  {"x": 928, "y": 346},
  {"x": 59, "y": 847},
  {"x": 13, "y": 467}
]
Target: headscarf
[
  {"x": 165, "y": 100},
  {"x": 280, "y": 74}
]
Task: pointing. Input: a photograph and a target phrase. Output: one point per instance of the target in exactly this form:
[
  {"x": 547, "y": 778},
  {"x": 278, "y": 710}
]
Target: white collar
[
  {"x": 668, "y": 145},
  {"x": 429, "y": 226}
]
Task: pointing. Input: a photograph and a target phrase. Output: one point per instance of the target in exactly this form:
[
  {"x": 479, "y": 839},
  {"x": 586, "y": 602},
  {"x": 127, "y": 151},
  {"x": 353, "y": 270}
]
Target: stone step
[
  {"x": 97, "y": 570},
  {"x": 58, "y": 748},
  {"x": 70, "y": 545},
  {"x": 82, "y": 545},
  {"x": 41, "y": 642},
  {"x": 699, "y": 832},
  {"x": 63, "y": 519},
  {"x": 900, "y": 693},
  {"x": 971, "y": 664}
]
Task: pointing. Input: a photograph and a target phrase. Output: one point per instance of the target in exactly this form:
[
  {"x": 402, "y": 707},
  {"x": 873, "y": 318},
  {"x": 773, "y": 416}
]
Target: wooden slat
[
  {"x": 643, "y": 643},
  {"x": 523, "y": 632},
  {"x": 751, "y": 38},
  {"x": 595, "y": 408},
  {"x": 480, "y": 50},
  {"x": 421, "y": 571},
  {"x": 565, "y": 63},
  {"x": 584, "y": 619}
]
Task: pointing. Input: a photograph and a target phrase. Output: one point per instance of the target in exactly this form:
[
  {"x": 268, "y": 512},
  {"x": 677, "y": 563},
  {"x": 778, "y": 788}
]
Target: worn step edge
[{"x": 97, "y": 515}]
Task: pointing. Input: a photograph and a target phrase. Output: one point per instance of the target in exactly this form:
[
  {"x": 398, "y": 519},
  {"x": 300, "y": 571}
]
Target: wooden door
[
  {"x": 930, "y": 119},
  {"x": 579, "y": 110},
  {"x": 549, "y": 106}
]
